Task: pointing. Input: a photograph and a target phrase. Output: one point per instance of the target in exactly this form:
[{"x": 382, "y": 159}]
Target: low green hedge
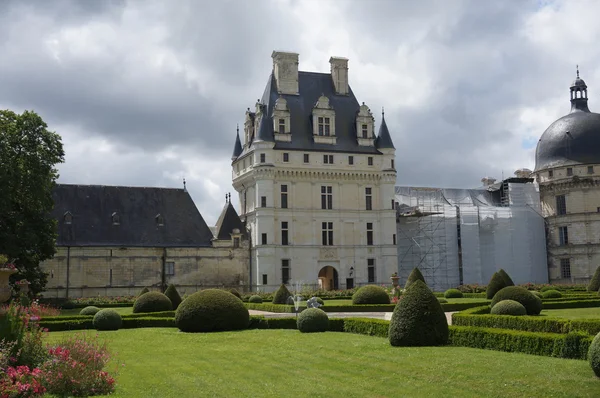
[
  {"x": 557, "y": 304},
  {"x": 281, "y": 308},
  {"x": 368, "y": 326}
]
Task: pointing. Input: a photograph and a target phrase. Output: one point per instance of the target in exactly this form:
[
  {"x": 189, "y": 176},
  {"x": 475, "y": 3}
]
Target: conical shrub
[
  {"x": 495, "y": 285},
  {"x": 173, "y": 295},
  {"x": 282, "y": 295},
  {"x": 507, "y": 279},
  {"x": 144, "y": 291},
  {"x": 594, "y": 285},
  {"x": 415, "y": 275},
  {"x": 236, "y": 293},
  {"x": 418, "y": 319}
]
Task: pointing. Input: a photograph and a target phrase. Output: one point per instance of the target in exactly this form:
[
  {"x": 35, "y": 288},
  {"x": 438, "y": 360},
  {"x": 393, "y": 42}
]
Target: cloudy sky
[{"x": 145, "y": 93}]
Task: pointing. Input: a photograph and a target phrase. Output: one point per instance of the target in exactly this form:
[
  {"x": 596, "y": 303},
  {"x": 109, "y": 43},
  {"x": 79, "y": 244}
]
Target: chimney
[
  {"x": 285, "y": 69},
  {"x": 339, "y": 74},
  {"x": 487, "y": 181},
  {"x": 523, "y": 173}
]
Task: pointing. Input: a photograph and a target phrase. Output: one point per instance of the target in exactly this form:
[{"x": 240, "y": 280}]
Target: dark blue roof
[
  {"x": 384, "y": 139},
  {"x": 227, "y": 222},
  {"x": 237, "y": 148}
]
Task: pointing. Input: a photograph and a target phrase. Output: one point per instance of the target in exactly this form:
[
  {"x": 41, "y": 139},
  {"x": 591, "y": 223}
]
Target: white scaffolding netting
[{"x": 462, "y": 236}]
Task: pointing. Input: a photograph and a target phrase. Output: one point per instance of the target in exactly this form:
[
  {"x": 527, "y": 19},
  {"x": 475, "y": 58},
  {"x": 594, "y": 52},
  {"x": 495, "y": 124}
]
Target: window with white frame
[
  {"x": 327, "y": 197},
  {"x": 324, "y": 125},
  {"x": 368, "y": 198},
  {"x": 327, "y": 233}
]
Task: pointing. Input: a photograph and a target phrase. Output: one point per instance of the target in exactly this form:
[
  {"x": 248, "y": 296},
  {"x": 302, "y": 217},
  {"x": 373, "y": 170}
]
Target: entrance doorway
[{"x": 328, "y": 278}]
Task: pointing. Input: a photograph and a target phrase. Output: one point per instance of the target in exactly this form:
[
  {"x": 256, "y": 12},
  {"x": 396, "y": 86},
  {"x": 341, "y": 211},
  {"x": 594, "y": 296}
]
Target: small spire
[
  {"x": 577, "y": 66},
  {"x": 237, "y": 128},
  {"x": 225, "y": 198},
  {"x": 184, "y": 185},
  {"x": 382, "y": 112}
]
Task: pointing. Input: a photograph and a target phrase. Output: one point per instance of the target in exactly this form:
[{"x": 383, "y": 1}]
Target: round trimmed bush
[
  {"x": 255, "y": 299},
  {"x": 546, "y": 288},
  {"x": 418, "y": 319},
  {"x": 594, "y": 355},
  {"x": 442, "y": 300},
  {"x": 551, "y": 294},
  {"x": 173, "y": 295},
  {"x": 312, "y": 320},
  {"x": 509, "y": 307},
  {"x": 107, "y": 319},
  {"x": 152, "y": 302},
  {"x": 536, "y": 293},
  {"x": 282, "y": 295},
  {"x": 89, "y": 310},
  {"x": 494, "y": 285},
  {"x": 236, "y": 293},
  {"x": 320, "y": 301},
  {"x": 453, "y": 293},
  {"x": 415, "y": 275},
  {"x": 211, "y": 310},
  {"x": 532, "y": 304},
  {"x": 371, "y": 294}
]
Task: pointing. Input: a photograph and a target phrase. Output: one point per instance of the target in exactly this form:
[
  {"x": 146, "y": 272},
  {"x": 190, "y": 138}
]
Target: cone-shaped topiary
[
  {"x": 173, "y": 295},
  {"x": 508, "y": 307},
  {"x": 255, "y": 299},
  {"x": 312, "y": 320},
  {"x": 144, "y": 291},
  {"x": 496, "y": 283},
  {"x": 418, "y": 319},
  {"x": 536, "y": 294},
  {"x": 371, "y": 294},
  {"x": 152, "y": 302},
  {"x": 594, "y": 284},
  {"x": 507, "y": 279},
  {"x": 531, "y": 302},
  {"x": 211, "y": 310},
  {"x": 107, "y": 319},
  {"x": 453, "y": 293},
  {"x": 236, "y": 293},
  {"x": 415, "y": 275},
  {"x": 551, "y": 294},
  {"x": 594, "y": 355},
  {"x": 282, "y": 295},
  {"x": 89, "y": 310}
]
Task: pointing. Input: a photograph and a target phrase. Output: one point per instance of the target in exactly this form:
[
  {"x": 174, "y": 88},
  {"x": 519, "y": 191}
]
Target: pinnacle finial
[
  {"x": 184, "y": 187},
  {"x": 382, "y": 112},
  {"x": 237, "y": 128},
  {"x": 577, "y": 66}
]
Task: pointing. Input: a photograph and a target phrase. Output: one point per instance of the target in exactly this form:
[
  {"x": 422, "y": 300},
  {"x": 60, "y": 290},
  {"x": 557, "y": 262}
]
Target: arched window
[
  {"x": 160, "y": 221},
  {"x": 116, "y": 219},
  {"x": 68, "y": 218}
]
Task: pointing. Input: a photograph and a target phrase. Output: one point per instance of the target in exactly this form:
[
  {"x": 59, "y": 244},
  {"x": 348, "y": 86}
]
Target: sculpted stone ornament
[
  {"x": 5, "y": 272},
  {"x": 328, "y": 254}
]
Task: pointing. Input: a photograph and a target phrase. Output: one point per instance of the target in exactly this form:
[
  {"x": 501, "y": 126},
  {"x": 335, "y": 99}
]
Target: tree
[{"x": 29, "y": 154}]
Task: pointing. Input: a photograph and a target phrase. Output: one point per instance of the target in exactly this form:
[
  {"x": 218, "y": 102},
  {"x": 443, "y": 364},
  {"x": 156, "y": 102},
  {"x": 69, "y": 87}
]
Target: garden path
[{"x": 377, "y": 315}]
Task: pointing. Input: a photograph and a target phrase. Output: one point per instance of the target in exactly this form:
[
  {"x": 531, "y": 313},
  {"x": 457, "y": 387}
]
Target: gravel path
[{"x": 375, "y": 315}]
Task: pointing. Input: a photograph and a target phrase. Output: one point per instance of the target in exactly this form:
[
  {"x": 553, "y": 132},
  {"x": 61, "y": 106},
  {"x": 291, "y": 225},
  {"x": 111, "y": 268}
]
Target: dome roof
[{"x": 578, "y": 82}]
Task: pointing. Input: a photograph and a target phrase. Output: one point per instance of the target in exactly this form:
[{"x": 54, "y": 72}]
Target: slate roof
[
  {"x": 92, "y": 207},
  {"x": 384, "y": 139},
  {"x": 227, "y": 222},
  {"x": 237, "y": 148}
]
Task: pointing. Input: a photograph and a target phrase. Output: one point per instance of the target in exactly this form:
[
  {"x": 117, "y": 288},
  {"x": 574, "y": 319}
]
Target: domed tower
[{"x": 567, "y": 168}]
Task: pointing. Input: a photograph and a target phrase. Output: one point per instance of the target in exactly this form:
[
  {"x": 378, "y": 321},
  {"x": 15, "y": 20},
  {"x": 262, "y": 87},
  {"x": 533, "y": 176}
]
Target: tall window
[
  {"x": 561, "y": 205},
  {"x": 284, "y": 196},
  {"x": 263, "y": 238},
  {"x": 281, "y": 126},
  {"x": 236, "y": 243},
  {"x": 365, "y": 131},
  {"x": 368, "y": 199},
  {"x": 306, "y": 158},
  {"x": 370, "y": 270},
  {"x": 590, "y": 169},
  {"x": 324, "y": 126},
  {"x": 370, "y": 160},
  {"x": 263, "y": 158},
  {"x": 264, "y": 279},
  {"x": 393, "y": 204},
  {"x": 327, "y": 233},
  {"x": 563, "y": 236},
  {"x": 327, "y": 159},
  {"x": 169, "y": 268},
  {"x": 286, "y": 157},
  {"x": 569, "y": 171},
  {"x": 326, "y": 197},
  {"x": 550, "y": 173},
  {"x": 263, "y": 201},
  {"x": 370, "y": 233},
  {"x": 285, "y": 271},
  {"x": 394, "y": 238},
  {"x": 350, "y": 160},
  {"x": 565, "y": 268},
  {"x": 393, "y": 165},
  {"x": 284, "y": 233}
]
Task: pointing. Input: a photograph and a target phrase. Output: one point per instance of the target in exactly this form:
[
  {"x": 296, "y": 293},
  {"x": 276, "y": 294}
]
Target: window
[
  {"x": 169, "y": 268},
  {"x": 265, "y": 279},
  {"x": 284, "y": 233},
  {"x": 370, "y": 234},
  {"x": 160, "y": 221},
  {"x": 116, "y": 220},
  {"x": 284, "y": 196},
  {"x": 368, "y": 199},
  {"x": 350, "y": 159},
  {"x": 365, "y": 131},
  {"x": 394, "y": 239},
  {"x": 569, "y": 171},
  {"x": 110, "y": 278},
  {"x": 286, "y": 157},
  {"x": 263, "y": 238},
  {"x": 565, "y": 268},
  {"x": 349, "y": 283},
  {"x": 328, "y": 159},
  {"x": 393, "y": 204},
  {"x": 324, "y": 126},
  {"x": 263, "y": 158},
  {"x": 263, "y": 201},
  {"x": 281, "y": 128},
  {"x": 327, "y": 233},
  {"x": 563, "y": 236},
  {"x": 590, "y": 169},
  {"x": 236, "y": 243},
  {"x": 68, "y": 218},
  {"x": 306, "y": 158},
  {"x": 370, "y": 160},
  {"x": 370, "y": 270},
  {"x": 393, "y": 165},
  {"x": 550, "y": 173},
  {"x": 561, "y": 205},
  {"x": 327, "y": 197},
  {"x": 285, "y": 271}
]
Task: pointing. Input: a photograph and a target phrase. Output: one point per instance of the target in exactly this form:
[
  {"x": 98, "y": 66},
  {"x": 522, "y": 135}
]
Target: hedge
[
  {"x": 280, "y": 308},
  {"x": 368, "y": 326},
  {"x": 557, "y": 305}
]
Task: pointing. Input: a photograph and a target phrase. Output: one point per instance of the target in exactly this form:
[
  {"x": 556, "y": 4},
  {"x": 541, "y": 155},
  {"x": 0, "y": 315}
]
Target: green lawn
[
  {"x": 574, "y": 313},
  {"x": 278, "y": 363}
]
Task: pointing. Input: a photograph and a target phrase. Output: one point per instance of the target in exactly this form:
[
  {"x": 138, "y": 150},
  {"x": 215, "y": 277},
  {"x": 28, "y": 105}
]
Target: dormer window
[
  {"x": 324, "y": 126},
  {"x": 68, "y": 218},
  {"x": 365, "y": 131},
  {"x": 116, "y": 219},
  {"x": 160, "y": 221},
  {"x": 365, "y": 124},
  {"x": 281, "y": 127},
  {"x": 281, "y": 120},
  {"x": 323, "y": 122}
]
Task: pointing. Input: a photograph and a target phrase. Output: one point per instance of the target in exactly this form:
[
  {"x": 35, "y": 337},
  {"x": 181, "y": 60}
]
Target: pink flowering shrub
[
  {"x": 22, "y": 337},
  {"x": 21, "y": 382}
]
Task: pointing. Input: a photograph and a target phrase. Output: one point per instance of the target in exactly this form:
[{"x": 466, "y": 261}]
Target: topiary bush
[
  {"x": 532, "y": 304},
  {"x": 546, "y": 288},
  {"x": 320, "y": 300},
  {"x": 312, "y": 320},
  {"x": 536, "y": 293},
  {"x": 152, "y": 302},
  {"x": 371, "y": 294},
  {"x": 173, "y": 295},
  {"x": 211, "y": 310},
  {"x": 255, "y": 299},
  {"x": 282, "y": 295},
  {"x": 509, "y": 307},
  {"x": 442, "y": 300},
  {"x": 453, "y": 293},
  {"x": 415, "y": 275},
  {"x": 551, "y": 294},
  {"x": 89, "y": 310},
  {"x": 594, "y": 355},
  {"x": 506, "y": 278},
  {"x": 236, "y": 293},
  {"x": 144, "y": 291},
  {"x": 107, "y": 319},
  {"x": 594, "y": 284},
  {"x": 495, "y": 284},
  {"x": 418, "y": 319}
]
